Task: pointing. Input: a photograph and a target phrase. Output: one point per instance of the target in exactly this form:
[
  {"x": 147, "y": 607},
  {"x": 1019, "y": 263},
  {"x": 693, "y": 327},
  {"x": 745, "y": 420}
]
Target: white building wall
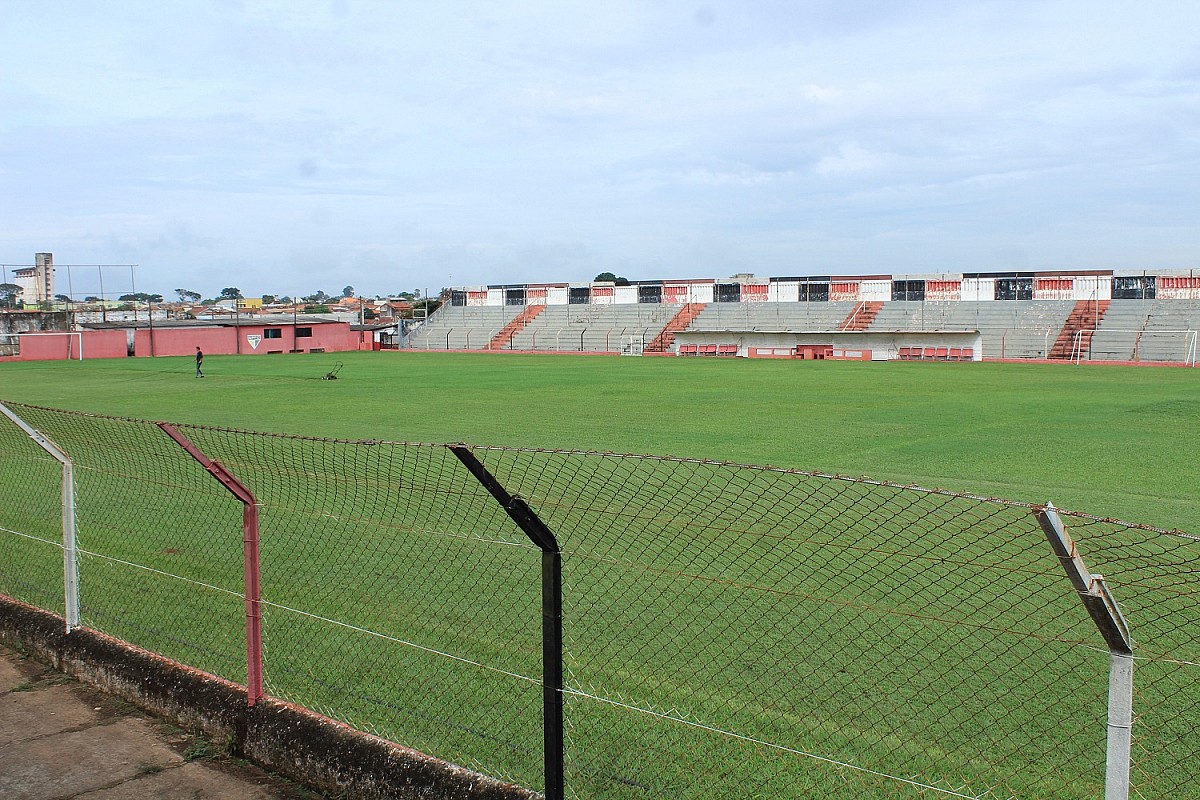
[
  {"x": 874, "y": 291},
  {"x": 557, "y": 296},
  {"x": 785, "y": 292},
  {"x": 1092, "y": 287},
  {"x": 31, "y": 289},
  {"x": 122, "y": 316},
  {"x": 975, "y": 289},
  {"x": 625, "y": 295}
]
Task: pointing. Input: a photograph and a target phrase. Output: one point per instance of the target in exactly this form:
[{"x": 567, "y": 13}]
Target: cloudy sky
[{"x": 293, "y": 145}]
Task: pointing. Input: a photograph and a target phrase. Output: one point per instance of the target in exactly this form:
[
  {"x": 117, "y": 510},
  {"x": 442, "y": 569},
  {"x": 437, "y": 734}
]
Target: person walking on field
[{"x": 199, "y": 362}]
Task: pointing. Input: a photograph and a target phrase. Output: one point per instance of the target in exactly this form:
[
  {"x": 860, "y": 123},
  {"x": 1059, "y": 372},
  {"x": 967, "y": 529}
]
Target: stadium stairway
[
  {"x": 504, "y": 337},
  {"x": 1082, "y": 322},
  {"x": 682, "y": 319},
  {"x": 862, "y": 316}
]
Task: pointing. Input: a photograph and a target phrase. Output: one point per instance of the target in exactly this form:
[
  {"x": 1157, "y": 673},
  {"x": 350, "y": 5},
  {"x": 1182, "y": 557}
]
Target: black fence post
[{"x": 552, "y": 617}]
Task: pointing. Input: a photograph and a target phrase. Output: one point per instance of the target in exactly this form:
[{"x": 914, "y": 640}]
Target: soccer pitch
[
  {"x": 910, "y": 632},
  {"x": 1111, "y": 441}
]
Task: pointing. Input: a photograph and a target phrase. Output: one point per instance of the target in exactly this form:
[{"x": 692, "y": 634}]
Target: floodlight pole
[
  {"x": 254, "y": 657},
  {"x": 1103, "y": 609},
  {"x": 552, "y": 617},
  {"x": 70, "y": 562}
]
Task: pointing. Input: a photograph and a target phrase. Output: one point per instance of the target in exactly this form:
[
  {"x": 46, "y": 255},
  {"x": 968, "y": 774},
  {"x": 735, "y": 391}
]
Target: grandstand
[
  {"x": 1147, "y": 330},
  {"x": 1081, "y": 315},
  {"x": 1008, "y": 329}
]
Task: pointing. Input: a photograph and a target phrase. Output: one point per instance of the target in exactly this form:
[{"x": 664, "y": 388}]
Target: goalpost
[{"x": 72, "y": 343}]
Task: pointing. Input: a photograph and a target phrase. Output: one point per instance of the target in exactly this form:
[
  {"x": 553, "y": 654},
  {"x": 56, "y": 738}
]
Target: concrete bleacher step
[
  {"x": 682, "y": 319},
  {"x": 504, "y": 337},
  {"x": 862, "y": 316},
  {"x": 1077, "y": 332}
]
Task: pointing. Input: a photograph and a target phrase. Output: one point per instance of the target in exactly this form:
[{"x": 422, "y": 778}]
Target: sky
[{"x": 294, "y": 146}]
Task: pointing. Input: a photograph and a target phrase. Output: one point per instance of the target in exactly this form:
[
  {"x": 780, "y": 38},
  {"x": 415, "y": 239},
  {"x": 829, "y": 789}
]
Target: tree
[
  {"x": 268, "y": 299},
  {"x": 430, "y": 305},
  {"x": 141, "y": 297},
  {"x": 348, "y": 291},
  {"x": 230, "y": 293},
  {"x": 608, "y": 277},
  {"x": 317, "y": 297},
  {"x": 62, "y": 298},
  {"x": 188, "y": 296},
  {"x": 8, "y": 295}
]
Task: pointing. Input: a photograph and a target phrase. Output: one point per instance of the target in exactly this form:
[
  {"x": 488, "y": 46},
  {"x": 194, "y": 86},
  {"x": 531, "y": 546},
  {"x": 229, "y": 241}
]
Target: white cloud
[
  {"x": 549, "y": 140},
  {"x": 850, "y": 158}
]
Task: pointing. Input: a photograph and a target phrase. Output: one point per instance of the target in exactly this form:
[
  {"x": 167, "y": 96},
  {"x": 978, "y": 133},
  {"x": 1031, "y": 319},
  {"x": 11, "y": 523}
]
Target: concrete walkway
[{"x": 60, "y": 739}]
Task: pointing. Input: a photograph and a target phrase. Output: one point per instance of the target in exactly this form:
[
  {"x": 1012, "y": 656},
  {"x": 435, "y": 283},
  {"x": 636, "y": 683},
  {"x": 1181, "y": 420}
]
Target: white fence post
[
  {"x": 1102, "y": 608},
  {"x": 70, "y": 564},
  {"x": 1120, "y": 726}
]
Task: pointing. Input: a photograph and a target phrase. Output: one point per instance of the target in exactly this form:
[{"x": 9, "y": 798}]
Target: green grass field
[
  {"x": 1112, "y": 441},
  {"x": 916, "y": 634}
]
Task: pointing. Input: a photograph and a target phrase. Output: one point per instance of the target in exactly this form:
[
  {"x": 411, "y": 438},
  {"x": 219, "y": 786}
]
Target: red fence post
[{"x": 254, "y": 668}]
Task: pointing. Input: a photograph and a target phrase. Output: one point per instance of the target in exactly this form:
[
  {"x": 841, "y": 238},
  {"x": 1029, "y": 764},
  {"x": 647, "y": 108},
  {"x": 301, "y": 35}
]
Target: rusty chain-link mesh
[
  {"x": 31, "y": 553},
  {"x": 729, "y": 631}
]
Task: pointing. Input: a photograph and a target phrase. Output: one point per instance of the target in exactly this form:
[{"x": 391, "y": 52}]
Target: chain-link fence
[{"x": 726, "y": 631}]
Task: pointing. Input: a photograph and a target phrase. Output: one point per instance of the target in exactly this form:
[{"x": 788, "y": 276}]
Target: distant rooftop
[{"x": 222, "y": 322}]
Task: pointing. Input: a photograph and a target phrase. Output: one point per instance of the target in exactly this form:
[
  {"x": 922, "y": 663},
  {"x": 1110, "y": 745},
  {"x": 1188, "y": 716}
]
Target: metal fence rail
[{"x": 725, "y": 630}]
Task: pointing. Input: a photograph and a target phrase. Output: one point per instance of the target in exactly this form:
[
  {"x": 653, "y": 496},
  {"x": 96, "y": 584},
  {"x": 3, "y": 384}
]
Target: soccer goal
[
  {"x": 49, "y": 344},
  {"x": 74, "y": 344},
  {"x": 634, "y": 345}
]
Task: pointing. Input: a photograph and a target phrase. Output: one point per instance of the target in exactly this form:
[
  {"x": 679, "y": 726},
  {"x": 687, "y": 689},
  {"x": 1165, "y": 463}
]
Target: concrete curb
[{"x": 312, "y": 750}]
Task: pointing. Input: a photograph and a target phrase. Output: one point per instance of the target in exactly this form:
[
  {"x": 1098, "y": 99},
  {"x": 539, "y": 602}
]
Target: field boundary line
[
  {"x": 57, "y": 544},
  {"x": 772, "y": 745},
  {"x": 163, "y": 573},
  {"x": 404, "y": 642}
]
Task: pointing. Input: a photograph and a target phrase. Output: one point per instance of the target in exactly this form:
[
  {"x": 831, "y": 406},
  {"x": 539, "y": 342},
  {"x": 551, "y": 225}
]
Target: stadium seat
[
  {"x": 928, "y": 353},
  {"x": 942, "y": 354}
]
